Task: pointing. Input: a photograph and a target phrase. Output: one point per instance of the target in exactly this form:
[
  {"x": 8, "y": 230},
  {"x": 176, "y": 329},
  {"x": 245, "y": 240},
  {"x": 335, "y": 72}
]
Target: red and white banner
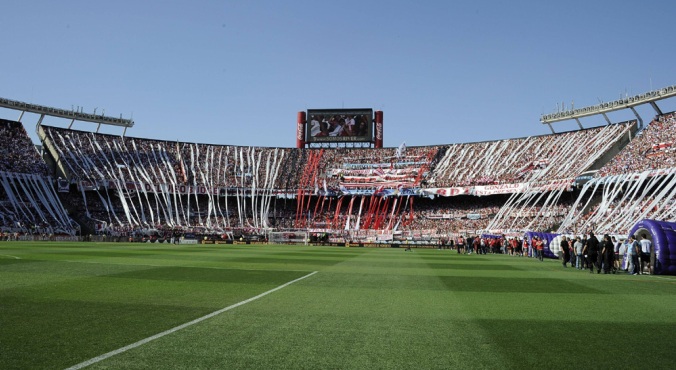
[
  {"x": 382, "y": 185},
  {"x": 499, "y": 189},
  {"x": 375, "y": 171},
  {"x": 482, "y": 190},
  {"x": 447, "y": 192}
]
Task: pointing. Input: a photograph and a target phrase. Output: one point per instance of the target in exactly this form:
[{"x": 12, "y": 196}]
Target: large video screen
[{"x": 339, "y": 125}]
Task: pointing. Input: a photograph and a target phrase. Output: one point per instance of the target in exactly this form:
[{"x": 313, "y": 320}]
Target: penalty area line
[{"x": 182, "y": 326}]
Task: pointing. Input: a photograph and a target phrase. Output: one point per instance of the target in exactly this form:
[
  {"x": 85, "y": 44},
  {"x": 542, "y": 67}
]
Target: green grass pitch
[{"x": 64, "y": 303}]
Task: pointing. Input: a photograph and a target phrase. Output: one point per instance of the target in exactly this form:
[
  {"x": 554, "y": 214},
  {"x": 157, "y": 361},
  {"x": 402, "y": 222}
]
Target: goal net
[{"x": 288, "y": 237}]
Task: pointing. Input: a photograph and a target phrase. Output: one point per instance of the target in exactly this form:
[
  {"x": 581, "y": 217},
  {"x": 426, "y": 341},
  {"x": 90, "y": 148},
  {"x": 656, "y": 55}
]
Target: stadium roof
[
  {"x": 73, "y": 115},
  {"x": 628, "y": 102}
]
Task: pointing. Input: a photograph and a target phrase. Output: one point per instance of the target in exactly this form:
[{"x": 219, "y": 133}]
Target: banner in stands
[
  {"x": 480, "y": 190},
  {"x": 130, "y": 186},
  {"x": 498, "y": 189},
  {"x": 402, "y": 192},
  {"x": 447, "y": 192},
  {"x": 581, "y": 180},
  {"x": 158, "y": 188},
  {"x": 374, "y": 185},
  {"x": 167, "y": 188},
  {"x": 449, "y": 216},
  {"x": 336, "y": 172}
]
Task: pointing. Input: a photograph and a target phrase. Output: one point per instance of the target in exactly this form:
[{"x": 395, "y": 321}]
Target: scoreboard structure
[{"x": 339, "y": 127}]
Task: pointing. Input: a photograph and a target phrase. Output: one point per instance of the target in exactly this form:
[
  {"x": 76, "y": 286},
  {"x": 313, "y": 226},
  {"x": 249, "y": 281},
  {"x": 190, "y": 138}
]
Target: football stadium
[
  {"x": 340, "y": 239},
  {"x": 125, "y": 252}
]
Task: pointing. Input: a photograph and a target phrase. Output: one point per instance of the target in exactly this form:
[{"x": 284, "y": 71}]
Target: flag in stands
[{"x": 401, "y": 151}]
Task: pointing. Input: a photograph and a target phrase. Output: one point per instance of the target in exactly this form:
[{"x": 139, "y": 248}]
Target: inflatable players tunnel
[{"x": 663, "y": 236}]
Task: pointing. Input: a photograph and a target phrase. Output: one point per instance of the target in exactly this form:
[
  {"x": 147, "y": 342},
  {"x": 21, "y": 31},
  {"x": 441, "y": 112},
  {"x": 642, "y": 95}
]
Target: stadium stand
[
  {"x": 17, "y": 152},
  {"x": 653, "y": 148},
  {"x": 127, "y": 183},
  {"x": 119, "y": 185},
  {"x": 637, "y": 183},
  {"x": 539, "y": 158},
  {"x": 28, "y": 202}
]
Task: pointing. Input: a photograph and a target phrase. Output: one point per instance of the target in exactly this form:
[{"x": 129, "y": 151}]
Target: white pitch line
[
  {"x": 8, "y": 255},
  {"x": 183, "y": 326}
]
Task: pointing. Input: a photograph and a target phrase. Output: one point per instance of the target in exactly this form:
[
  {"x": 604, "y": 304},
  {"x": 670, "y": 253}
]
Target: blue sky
[{"x": 237, "y": 72}]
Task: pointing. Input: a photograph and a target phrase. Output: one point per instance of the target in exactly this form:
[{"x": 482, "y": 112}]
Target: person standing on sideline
[
  {"x": 527, "y": 248},
  {"x": 571, "y": 250},
  {"x": 579, "y": 247},
  {"x": 632, "y": 256},
  {"x": 607, "y": 253},
  {"x": 565, "y": 248},
  {"x": 460, "y": 244},
  {"x": 592, "y": 253},
  {"x": 616, "y": 255},
  {"x": 540, "y": 247},
  {"x": 646, "y": 249},
  {"x": 599, "y": 258}
]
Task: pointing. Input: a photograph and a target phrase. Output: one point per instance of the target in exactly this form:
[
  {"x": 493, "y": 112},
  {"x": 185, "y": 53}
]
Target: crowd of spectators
[
  {"x": 26, "y": 205},
  {"x": 271, "y": 171},
  {"x": 25, "y": 212},
  {"x": 104, "y": 213},
  {"x": 539, "y": 158},
  {"x": 653, "y": 148},
  {"x": 366, "y": 168},
  {"x": 448, "y": 215},
  {"x": 93, "y": 157},
  {"x": 17, "y": 152}
]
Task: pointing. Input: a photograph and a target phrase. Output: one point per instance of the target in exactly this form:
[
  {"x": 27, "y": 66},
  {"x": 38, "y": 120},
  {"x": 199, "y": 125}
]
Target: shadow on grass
[
  {"x": 569, "y": 343},
  {"x": 62, "y": 333},
  {"x": 13, "y": 261}
]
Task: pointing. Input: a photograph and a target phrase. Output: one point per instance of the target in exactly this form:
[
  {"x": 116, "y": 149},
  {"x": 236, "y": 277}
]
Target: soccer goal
[{"x": 288, "y": 237}]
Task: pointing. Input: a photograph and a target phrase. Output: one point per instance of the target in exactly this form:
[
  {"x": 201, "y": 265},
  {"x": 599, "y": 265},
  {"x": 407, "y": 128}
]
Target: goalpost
[{"x": 288, "y": 237}]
